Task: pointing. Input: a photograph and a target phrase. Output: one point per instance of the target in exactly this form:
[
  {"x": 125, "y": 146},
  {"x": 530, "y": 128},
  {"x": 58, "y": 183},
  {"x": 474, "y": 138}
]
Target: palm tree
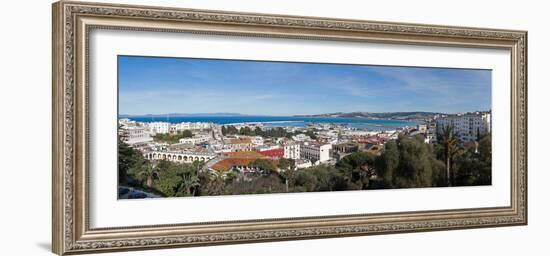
[
  {"x": 285, "y": 175},
  {"x": 188, "y": 181},
  {"x": 189, "y": 175},
  {"x": 197, "y": 166},
  {"x": 450, "y": 145},
  {"x": 286, "y": 167},
  {"x": 148, "y": 172}
]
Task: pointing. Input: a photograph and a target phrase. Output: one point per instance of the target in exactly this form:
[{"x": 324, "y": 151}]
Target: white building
[
  {"x": 158, "y": 127},
  {"x": 218, "y": 147},
  {"x": 292, "y": 151},
  {"x": 316, "y": 153},
  {"x": 431, "y": 133},
  {"x": 359, "y": 133},
  {"x": 301, "y": 137},
  {"x": 267, "y": 147},
  {"x": 467, "y": 127},
  {"x": 180, "y": 157},
  {"x": 182, "y": 126},
  {"x": 126, "y": 122},
  {"x": 191, "y": 126},
  {"x": 328, "y": 133},
  {"x": 390, "y": 135},
  {"x": 241, "y": 143},
  {"x": 257, "y": 140},
  {"x": 200, "y": 126},
  {"x": 195, "y": 140},
  {"x": 302, "y": 163},
  {"x": 486, "y": 117},
  {"x": 136, "y": 135},
  {"x": 423, "y": 128}
]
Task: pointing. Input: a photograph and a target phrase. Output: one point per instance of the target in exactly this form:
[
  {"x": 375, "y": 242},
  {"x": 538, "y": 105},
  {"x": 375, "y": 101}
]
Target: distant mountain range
[
  {"x": 416, "y": 115},
  {"x": 182, "y": 114}
]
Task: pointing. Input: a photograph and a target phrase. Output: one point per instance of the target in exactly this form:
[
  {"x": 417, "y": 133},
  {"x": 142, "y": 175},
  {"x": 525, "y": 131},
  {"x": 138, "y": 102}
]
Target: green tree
[
  {"x": 246, "y": 131},
  {"x": 329, "y": 178},
  {"x": 485, "y": 156},
  {"x": 261, "y": 184},
  {"x": 287, "y": 164},
  {"x": 211, "y": 184},
  {"x": 258, "y": 131},
  {"x": 147, "y": 172},
  {"x": 360, "y": 167},
  {"x": 232, "y": 176},
  {"x": 304, "y": 181},
  {"x": 276, "y": 132},
  {"x": 178, "y": 179},
  {"x": 197, "y": 166},
  {"x": 450, "y": 148},
  {"x": 172, "y": 138},
  {"x": 265, "y": 165},
  {"x": 311, "y": 134},
  {"x": 408, "y": 162},
  {"x": 169, "y": 179},
  {"x": 438, "y": 172},
  {"x": 388, "y": 163},
  {"x": 127, "y": 159},
  {"x": 189, "y": 181},
  {"x": 231, "y": 130},
  {"x": 415, "y": 165},
  {"x": 473, "y": 165},
  {"x": 467, "y": 167}
]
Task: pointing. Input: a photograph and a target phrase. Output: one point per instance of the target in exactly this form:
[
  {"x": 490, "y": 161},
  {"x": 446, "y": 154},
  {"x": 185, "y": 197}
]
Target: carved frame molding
[{"x": 72, "y": 22}]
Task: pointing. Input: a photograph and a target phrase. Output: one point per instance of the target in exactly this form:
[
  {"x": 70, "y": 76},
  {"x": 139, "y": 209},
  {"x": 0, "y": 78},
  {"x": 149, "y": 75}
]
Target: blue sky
[{"x": 151, "y": 85}]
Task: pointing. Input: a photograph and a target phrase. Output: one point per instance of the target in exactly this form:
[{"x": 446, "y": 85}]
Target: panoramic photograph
[{"x": 210, "y": 127}]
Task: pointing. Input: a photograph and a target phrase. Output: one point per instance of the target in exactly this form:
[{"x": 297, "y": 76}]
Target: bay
[{"x": 284, "y": 121}]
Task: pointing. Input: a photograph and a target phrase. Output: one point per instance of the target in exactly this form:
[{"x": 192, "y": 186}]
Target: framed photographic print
[{"x": 179, "y": 127}]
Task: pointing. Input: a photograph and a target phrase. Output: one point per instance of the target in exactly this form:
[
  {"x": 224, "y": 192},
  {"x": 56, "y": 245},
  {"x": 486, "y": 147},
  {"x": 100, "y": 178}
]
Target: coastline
[{"x": 285, "y": 121}]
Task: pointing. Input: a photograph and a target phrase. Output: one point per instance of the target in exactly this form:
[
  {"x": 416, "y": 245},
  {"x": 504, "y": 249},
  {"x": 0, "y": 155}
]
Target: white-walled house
[
  {"x": 158, "y": 127},
  {"x": 315, "y": 152},
  {"x": 467, "y": 127},
  {"x": 292, "y": 151}
]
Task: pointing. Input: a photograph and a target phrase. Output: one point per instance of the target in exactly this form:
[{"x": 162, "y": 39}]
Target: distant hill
[
  {"x": 183, "y": 115},
  {"x": 413, "y": 115},
  {"x": 416, "y": 115}
]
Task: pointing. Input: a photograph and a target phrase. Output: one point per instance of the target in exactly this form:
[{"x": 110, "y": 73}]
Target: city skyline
[{"x": 158, "y": 85}]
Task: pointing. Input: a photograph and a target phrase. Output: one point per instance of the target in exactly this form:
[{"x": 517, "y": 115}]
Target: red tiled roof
[
  {"x": 228, "y": 163},
  {"x": 244, "y": 154},
  {"x": 278, "y": 152}
]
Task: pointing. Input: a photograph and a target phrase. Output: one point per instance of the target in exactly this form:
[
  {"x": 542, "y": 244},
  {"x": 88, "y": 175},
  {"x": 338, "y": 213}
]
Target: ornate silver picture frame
[{"x": 72, "y": 24}]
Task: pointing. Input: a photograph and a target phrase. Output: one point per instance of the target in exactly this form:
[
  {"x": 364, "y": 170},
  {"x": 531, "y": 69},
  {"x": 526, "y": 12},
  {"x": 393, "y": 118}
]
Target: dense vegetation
[
  {"x": 172, "y": 138},
  {"x": 407, "y": 162},
  {"x": 275, "y": 132}
]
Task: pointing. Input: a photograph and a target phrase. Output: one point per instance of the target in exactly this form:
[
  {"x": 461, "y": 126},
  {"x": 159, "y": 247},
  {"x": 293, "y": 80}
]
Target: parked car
[
  {"x": 137, "y": 195},
  {"x": 123, "y": 191}
]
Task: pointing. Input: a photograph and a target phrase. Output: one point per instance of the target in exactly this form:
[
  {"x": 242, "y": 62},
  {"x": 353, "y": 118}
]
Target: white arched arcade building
[{"x": 180, "y": 157}]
